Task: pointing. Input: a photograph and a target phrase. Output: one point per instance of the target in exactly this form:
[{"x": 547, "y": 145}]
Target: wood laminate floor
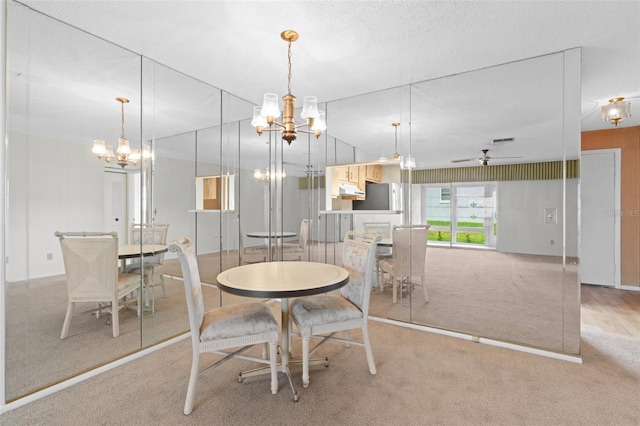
[{"x": 611, "y": 310}]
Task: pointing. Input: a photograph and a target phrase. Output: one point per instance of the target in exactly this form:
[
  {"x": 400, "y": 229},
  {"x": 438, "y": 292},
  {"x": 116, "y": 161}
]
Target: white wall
[
  {"x": 53, "y": 185},
  {"x": 521, "y": 217}
]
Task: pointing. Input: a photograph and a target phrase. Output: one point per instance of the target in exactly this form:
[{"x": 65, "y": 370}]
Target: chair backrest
[
  {"x": 150, "y": 233},
  {"x": 192, "y": 286},
  {"x": 90, "y": 264},
  {"x": 305, "y": 230},
  {"x": 409, "y": 250},
  {"x": 381, "y": 228},
  {"x": 358, "y": 254}
]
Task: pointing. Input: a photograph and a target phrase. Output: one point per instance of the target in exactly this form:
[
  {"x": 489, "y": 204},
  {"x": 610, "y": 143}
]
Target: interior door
[
  {"x": 600, "y": 206},
  {"x": 115, "y": 204}
]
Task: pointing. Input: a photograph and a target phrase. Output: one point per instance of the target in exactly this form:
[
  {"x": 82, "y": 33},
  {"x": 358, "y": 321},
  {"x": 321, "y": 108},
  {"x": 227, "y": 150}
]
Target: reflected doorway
[{"x": 115, "y": 203}]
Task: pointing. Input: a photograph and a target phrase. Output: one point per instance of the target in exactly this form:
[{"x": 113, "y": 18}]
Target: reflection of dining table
[
  {"x": 267, "y": 234},
  {"x": 282, "y": 280},
  {"x": 130, "y": 251}
]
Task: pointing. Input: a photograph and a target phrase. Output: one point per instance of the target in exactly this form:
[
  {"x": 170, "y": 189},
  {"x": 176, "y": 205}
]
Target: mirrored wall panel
[
  {"x": 62, "y": 88},
  {"x": 496, "y": 186}
]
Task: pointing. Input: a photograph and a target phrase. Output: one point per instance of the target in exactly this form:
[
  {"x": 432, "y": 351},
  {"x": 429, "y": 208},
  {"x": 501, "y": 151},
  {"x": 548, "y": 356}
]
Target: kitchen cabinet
[{"x": 373, "y": 173}]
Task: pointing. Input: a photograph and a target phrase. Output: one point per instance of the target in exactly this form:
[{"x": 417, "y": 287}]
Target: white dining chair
[
  {"x": 409, "y": 257},
  {"x": 324, "y": 315},
  {"x": 220, "y": 329},
  {"x": 252, "y": 254},
  {"x": 91, "y": 269},
  {"x": 150, "y": 266},
  {"x": 384, "y": 230},
  {"x": 298, "y": 249}
]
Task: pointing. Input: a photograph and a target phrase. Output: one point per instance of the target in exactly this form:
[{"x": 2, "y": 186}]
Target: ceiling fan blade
[
  {"x": 463, "y": 160},
  {"x": 503, "y": 158}
]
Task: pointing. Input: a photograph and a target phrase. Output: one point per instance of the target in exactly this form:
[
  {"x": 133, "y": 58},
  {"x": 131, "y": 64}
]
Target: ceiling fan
[{"x": 484, "y": 160}]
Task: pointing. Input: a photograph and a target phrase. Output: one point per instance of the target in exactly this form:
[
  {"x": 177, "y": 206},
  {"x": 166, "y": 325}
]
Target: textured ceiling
[{"x": 349, "y": 48}]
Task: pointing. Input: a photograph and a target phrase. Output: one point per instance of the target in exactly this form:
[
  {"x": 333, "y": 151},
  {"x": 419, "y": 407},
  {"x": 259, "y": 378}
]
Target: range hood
[{"x": 348, "y": 189}]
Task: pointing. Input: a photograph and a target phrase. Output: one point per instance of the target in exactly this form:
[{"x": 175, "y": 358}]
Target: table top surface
[
  {"x": 133, "y": 250},
  {"x": 385, "y": 241},
  {"x": 265, "y": 234},
  {"x": 282, "y": 279}
]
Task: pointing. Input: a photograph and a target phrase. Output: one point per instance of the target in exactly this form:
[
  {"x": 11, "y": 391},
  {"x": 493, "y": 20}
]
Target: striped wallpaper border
[{"x": 503, "y": 172}]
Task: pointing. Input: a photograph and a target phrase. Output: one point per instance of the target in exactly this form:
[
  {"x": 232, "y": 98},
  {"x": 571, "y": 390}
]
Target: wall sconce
[{"x": 616, "y": 110}]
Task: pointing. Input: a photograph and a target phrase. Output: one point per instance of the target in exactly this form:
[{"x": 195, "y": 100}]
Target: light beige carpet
[{"x": 423, "y": 379}]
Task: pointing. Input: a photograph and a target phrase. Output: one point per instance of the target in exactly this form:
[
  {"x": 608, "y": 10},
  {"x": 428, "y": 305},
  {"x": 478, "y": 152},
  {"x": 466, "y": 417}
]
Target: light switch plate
[{"x": 551, "y": 215}]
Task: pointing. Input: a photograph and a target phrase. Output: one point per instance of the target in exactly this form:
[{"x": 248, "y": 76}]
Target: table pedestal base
[{"x": 283, "y": 369}]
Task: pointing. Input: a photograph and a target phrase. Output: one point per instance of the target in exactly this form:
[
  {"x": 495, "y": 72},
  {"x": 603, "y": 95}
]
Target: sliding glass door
[{"x": 461, "y": 214}]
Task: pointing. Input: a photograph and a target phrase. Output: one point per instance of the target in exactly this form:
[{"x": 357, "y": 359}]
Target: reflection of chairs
[
  {"x": 91, "y": 267},
  {"x": 409, "y": 253},
  {"x": 149, "y": 233},
  {"x": 222, "y": 328},
  {"x": 322, "y": 314},
  {"x": 298, "y": 249},
  {"x": 381, "y": 228},
  {"x": 252, "y": 254},
  {"x": 384, "y": 230}
]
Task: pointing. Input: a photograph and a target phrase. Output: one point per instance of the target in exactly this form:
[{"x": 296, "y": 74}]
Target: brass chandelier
[
  {"x": 124, "y": 155},
  {"x": 264, "y": 117}
]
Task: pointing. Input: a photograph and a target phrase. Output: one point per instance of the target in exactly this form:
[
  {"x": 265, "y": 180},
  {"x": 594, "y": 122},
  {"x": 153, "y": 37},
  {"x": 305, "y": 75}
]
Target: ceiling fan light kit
[{"x": 616, "y": 110}]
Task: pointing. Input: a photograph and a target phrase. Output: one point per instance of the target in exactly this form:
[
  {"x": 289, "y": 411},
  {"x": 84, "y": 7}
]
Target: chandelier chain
[
  {"x": 289, "y": 74},
  {"x": 122, "y": 120}
]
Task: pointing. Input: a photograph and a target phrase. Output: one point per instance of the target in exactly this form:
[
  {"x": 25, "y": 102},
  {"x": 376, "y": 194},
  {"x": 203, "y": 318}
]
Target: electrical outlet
[
  {"x": 49, "y": 256},
  {"x": 552, "y": 242}
]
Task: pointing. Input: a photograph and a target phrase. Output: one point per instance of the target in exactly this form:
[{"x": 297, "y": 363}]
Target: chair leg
[
  {"x": 395, "y": 287},
  {"x": 115, "y": 317},
  {"x": 273, "y": 355},
  {"x": 367, "y": 349},
  {"x": 424, "y": 289},
  {"x": 67, "y": 321},
  {"x": 306, "y": 337},
  {"x": 193, "y": 381},
  {"x": 345, "y": 336}
]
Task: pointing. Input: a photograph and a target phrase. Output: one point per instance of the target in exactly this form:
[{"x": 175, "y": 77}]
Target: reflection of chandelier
[
  {"x": 125, "y": 154},
  {"x": 395, "y": 153},
  {"x": 260, "y": 175},
  {"x": 616, "y": 110},
  {"x": 266, "y": 115},
  {"x": 408, "y": 162}
]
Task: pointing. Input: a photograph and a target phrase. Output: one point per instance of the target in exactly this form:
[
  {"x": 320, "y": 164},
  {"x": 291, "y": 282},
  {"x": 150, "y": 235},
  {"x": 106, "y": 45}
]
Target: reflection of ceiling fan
[{"x": 484, "y": 160}]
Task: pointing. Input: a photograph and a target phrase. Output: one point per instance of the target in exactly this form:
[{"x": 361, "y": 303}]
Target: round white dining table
[{"x": 282, "y": 280}]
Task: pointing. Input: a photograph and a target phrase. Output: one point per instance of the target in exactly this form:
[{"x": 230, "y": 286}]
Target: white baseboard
[
  {"x": 629, "y": 287},
  {"x": 550, "y": 354}
]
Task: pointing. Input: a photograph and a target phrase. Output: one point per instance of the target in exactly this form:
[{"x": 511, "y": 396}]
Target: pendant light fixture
[
  {"x": 264, "y": 117},
  {"x": 125, "y": 154},
  {"x": 616, "y": 110},
  {"x": 395, "y": 153}
]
